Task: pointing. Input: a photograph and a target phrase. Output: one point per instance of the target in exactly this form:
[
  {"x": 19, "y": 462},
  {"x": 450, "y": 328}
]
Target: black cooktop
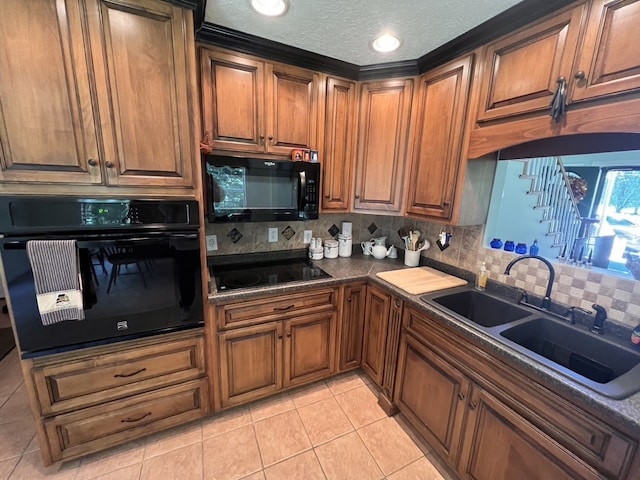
[{"x": 268, "y": 272}]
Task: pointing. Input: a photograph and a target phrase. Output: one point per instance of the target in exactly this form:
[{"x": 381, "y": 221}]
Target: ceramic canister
[
  {"x": 344, "y": 245},
  {"x": 330, "y": 249}
]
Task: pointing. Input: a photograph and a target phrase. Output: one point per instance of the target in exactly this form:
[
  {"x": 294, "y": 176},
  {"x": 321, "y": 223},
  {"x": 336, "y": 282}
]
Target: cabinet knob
[
  {"x": 92, "y": 162},
  {"x": 397, "y": 303},
  {"x": 326, "y": 195},
  {"x": 472, "y": 406},
  {"x": 580, "y": 75},
  {"x": 288, "y": 334},
  {"x": 280, "y": 337},
  {"x": 261, "y": 139},
  {"x": 348, "y": 299},
  {"x": 271, "y": 139},
  {"x": 460, "y": 396},
  {"x": 445, "y": 204},
  {"x": 357, "y": 196},
  {"x": 108, "y": 164}
]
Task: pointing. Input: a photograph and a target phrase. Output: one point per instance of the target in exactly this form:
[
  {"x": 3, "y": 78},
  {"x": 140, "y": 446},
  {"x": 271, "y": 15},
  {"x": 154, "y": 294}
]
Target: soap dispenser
[{"x": 481, "y": 280}]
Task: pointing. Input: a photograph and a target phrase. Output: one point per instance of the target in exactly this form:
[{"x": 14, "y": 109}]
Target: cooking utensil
[{"x": 415, "y": 236}]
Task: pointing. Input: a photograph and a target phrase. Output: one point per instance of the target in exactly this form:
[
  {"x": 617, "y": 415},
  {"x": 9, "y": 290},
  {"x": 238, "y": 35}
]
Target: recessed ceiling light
[
  {"x": 386, "y": 43},
  {"x": 270, "y": 8}
]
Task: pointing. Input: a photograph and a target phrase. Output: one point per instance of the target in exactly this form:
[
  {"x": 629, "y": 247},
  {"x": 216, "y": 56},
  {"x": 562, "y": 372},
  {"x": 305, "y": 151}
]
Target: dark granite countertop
[{"x": 360, "y": 267}]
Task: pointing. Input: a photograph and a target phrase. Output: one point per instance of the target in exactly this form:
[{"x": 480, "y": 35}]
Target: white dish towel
[{"x": 55, "y": 274}]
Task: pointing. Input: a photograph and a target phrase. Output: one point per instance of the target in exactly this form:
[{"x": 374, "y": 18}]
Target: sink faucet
[
  {"x": 598, "y": 322},
  {"x": 571, "y": 311},
  {"x": 546, "y": 301}
]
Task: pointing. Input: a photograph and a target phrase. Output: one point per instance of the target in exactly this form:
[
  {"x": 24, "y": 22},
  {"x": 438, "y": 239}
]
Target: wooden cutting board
[{"x": 421, "y": 280}]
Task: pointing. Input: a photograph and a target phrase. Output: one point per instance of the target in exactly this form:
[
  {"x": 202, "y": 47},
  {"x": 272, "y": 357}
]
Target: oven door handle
[{"x": 20, "y": 243}]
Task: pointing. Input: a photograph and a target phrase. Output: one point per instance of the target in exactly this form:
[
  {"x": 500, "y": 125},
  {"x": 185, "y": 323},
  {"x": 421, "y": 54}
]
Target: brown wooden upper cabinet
[
  {"x": 252, "y": 106},
  {"x": 590, "y": 45},
  {"x": 383, "y": 138},
  {"x": 521, "y": 70},
  {"x": 339, "y": 146},
  {"x": 608, "y": 62},
  {"x": 441, "y": 105},
  {"x": 122, "y": 118}
]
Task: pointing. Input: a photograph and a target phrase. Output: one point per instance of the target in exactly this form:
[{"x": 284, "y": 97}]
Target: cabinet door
[
  {"x": 431, "y": 393},
  {"x": 501, "y": 445},
  {"x": 609, "y": 62},
  {"x": 232, "y": 101},
  {"x": 352, "y": 327},
  {"x": 521, "y": 70},
  {"x": 339, "y": 153},
  {"x": 376, "y": 319},
  {"x": 391, "y": 350},
  {"x": 292, "y": 108},
  {"x": 47, "y": 125},
  {"x": 440, "y": 119},
  {"x": 250, "y": 363},
  {"x": 142, "y": 84},
  {"x": 383, "y": 137},
  {"x": 309, "y": 348}
]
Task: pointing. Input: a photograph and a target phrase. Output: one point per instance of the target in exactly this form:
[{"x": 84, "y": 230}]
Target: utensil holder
[{"x": 411, "y": 258}]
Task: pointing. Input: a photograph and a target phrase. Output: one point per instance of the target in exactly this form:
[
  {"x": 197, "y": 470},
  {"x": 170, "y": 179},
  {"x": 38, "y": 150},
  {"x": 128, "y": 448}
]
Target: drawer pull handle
[
  {"x": 461, "y": 396},
  {"x": 472, "y": 406},
  {"x": 283, "y": 309},
  {"x": 125, "y": 375},
  {"x": 134, "y": 420}
]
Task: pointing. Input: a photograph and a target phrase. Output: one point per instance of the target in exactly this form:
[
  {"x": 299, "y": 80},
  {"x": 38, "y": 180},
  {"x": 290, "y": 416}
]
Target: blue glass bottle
[
  {"x": 521, "y": 248},
  {"x": 509, "y": 246},
  {"x": 496, "y": 243},
  {"x": 534, "y": 249}
]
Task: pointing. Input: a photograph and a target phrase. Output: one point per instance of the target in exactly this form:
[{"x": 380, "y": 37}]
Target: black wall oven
[{"x": 138, "y": 262}]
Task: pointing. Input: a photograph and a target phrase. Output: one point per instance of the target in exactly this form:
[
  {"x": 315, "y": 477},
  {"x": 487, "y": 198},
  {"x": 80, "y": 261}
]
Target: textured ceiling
[{"x": 344, "y": 29}]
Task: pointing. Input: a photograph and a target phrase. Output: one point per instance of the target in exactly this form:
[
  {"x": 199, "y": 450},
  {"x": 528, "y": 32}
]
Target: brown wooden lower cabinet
[
  {"x": 501, "y": 445},
  {"x": 250, "y": 362},
  {"x": 490, "y": 422},
  {"x": 102, "y": 426},
  {"x": 88, "y": 400},
  {"x": 351, "y": 326},
  {"x": 431, "y": 393},
  {"x": 376, "y": 319},
  {"x": 260, "y": 360}
]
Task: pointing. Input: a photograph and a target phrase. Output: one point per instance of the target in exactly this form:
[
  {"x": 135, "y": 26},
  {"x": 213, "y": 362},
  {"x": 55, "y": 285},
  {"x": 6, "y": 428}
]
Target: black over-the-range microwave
[{"x": 241, "y": 189}]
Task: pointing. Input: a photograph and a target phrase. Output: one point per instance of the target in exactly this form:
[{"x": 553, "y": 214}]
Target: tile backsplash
[{"x": 573, "y": 286}]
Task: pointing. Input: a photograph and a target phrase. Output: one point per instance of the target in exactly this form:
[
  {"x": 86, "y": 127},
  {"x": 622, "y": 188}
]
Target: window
[{"x": 619, "y": 211}]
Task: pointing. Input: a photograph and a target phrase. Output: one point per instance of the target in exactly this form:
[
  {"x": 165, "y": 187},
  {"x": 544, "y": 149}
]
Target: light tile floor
[{"x": 330, "y": 430}]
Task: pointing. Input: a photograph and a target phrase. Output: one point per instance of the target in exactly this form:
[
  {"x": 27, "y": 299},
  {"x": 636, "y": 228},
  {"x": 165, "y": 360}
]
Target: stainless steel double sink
[{"x": 594, "y": 361}]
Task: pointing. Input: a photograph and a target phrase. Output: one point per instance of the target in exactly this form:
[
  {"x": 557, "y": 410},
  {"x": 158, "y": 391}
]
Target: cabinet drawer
[
  {"x": 88, "y": 381},
  {"x": 102, "y": 426},
  {"x": 274, "y": 308}
]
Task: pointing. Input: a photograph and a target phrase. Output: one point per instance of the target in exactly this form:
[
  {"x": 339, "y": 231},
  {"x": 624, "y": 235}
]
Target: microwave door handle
[{"x": 302, "y": 193}]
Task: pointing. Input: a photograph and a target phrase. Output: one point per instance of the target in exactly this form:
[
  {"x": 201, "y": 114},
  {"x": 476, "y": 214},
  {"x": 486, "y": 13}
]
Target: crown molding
[
  {"x": 189, "y": 4},
  {"x": 506, "y": 22},
  {"x": 261, "y": 47},
  {"x": 515, "y": 17},
  {"x": 406, "y": 68}
]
